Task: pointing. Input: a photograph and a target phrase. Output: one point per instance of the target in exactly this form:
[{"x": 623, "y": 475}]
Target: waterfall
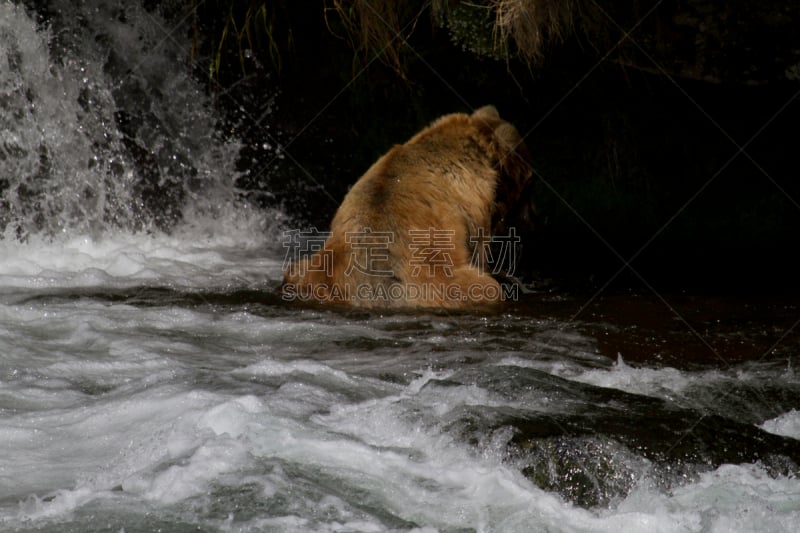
[{"x": 103, "y": 126}]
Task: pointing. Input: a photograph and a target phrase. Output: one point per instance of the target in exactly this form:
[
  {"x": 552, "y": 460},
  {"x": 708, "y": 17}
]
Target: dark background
[{"x": 636, "y": 141}]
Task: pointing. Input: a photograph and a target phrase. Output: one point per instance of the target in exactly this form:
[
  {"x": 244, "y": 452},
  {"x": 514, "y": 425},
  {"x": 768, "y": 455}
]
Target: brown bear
[{"x": 414, "y": 230}]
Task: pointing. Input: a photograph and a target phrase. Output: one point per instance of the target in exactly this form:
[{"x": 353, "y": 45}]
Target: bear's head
[{"x": 513, "y": 204}]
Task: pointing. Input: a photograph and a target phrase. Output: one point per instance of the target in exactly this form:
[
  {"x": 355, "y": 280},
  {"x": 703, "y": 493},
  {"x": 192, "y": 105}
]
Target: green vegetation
[
  {"x": 245, "y": 29},
  {"x": 497, "y": 29},
  {"x": 380, "y": 29}
]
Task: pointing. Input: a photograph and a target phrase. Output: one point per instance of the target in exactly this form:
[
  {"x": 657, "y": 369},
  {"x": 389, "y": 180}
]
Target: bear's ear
[
  {"x": 487, "y": 112},
  {"x": 508, "y": 136}
]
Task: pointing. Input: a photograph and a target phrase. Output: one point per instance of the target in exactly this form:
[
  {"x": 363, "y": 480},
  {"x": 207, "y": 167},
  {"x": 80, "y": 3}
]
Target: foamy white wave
[
  {"x": 666, "y": 383},
  {"x": 787, "y": 424},
  {"x": 565, "y": 368},
  {"x": 272, "y": 368},
  {"x": 663, "y": 382},
  {"x": 169, "y": 445},
  {"x": 93, "y": 444},
  {"x": 732, "y": 498},
  {"x": 128, "y": 259}
]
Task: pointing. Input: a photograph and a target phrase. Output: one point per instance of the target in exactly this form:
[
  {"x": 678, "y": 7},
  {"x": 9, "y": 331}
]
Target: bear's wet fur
[{"x": 414, "y": 229}]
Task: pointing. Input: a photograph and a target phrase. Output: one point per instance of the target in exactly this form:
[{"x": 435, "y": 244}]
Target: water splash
[{"x": 102, "y": 125}]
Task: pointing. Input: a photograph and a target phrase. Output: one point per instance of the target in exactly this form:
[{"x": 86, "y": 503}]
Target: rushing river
[
  {"x": 152, "y": 379},
  {"x": 158, "y": 383}
]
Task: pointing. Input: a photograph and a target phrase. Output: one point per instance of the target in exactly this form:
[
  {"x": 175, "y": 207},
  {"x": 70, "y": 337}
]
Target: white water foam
[
  {"x": 731, "y": 498},
  {"x": 121, "y": 259},
  {"x": 667, "y": 383},
  {"x": 787, "y": 424},
  {"x": 156, "y": 438}
]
